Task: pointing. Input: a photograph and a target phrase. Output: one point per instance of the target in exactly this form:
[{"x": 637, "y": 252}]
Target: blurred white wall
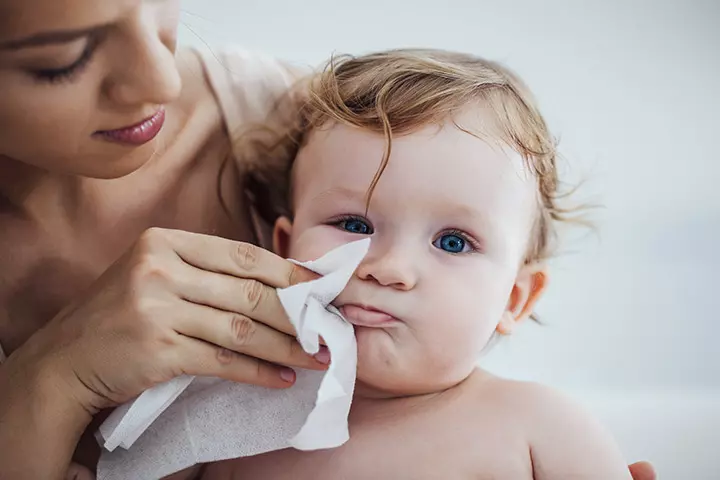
[{"x": 631, "y": 87}]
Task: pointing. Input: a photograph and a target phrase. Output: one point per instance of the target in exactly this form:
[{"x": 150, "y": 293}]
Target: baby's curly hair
[{"x": 397, "y": 92}]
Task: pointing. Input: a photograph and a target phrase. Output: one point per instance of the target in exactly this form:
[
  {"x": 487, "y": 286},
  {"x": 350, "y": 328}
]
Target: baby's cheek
[
  {"x": 313, "y": 243},
  {"x": 448, "y": 356},
  {"x": 453, "y": 334}
]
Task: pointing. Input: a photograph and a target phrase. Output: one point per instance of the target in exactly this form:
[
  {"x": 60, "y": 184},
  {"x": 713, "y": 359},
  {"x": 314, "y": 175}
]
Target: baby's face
[{"x": 450, "y": 222}]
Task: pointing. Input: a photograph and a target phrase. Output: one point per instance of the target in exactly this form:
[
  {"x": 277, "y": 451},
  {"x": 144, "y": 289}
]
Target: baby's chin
[{"x": 385, "y": 370}]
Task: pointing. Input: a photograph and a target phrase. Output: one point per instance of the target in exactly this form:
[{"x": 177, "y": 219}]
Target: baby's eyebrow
[
  {"x": 444, "y": 203},
  {"x": 473, "y": 214},
  {"x": 335, "y": 192}
]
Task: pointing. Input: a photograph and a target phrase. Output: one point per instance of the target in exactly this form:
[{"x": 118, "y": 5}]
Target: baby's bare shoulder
[
  {"x": 535, "y": 407},
  {"x": 564, "y": 440},
  {"x": 538, "y": 431},
  {"x": 508, "y": 397},
  {"x": 511, "y": 409}
]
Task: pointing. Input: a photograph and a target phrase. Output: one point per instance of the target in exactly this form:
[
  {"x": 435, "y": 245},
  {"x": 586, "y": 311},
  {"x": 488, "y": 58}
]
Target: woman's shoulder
[
  {"x": 247, "y": 84},
  {"x": 254, "y": 96}
]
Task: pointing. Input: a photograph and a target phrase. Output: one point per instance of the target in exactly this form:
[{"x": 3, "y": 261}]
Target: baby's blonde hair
[{"x": 398, "y": 92}]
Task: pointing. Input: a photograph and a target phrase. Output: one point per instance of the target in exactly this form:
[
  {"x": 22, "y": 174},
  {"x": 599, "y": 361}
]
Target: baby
[{"x": 445, "y": 162}]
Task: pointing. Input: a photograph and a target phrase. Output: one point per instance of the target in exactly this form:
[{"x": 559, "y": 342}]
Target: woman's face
[{"x": 75, "y": 74}]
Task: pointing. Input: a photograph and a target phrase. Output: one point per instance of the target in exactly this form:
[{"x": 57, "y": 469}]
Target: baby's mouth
[{"x": 366, "y": 316}]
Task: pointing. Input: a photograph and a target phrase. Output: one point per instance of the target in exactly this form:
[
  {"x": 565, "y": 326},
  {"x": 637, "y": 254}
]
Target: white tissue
[{"x": 192, "y": 420}]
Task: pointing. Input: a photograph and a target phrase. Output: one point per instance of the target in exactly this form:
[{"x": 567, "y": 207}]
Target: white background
[{"x": 631, "y": 87}]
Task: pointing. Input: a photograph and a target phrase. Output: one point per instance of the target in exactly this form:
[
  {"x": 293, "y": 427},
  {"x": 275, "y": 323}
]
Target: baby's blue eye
[
  {"x": 355, "y": 225},
  {"x": 451, "y": 243}
]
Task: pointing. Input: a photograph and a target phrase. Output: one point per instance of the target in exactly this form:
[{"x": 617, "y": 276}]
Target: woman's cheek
[{"x": 168, "y": 18}]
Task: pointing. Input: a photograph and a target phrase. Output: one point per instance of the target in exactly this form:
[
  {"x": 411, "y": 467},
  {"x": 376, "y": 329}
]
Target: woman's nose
[{"x": 146, "y": 74}]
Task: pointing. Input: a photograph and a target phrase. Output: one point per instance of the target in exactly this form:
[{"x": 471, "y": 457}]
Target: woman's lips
[
  {"x": 137, "y": 134},
  {"x": 363, "y": 316}
]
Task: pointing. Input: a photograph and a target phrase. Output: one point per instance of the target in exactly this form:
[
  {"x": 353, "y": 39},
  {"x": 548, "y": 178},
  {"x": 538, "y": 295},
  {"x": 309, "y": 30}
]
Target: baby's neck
[
  {"x": 372, "y": 405},
  {"x": 371, "y": 409}
]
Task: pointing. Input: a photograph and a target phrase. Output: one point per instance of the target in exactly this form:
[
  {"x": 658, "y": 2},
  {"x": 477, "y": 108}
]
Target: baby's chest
[{"x": 390, "y": 454}]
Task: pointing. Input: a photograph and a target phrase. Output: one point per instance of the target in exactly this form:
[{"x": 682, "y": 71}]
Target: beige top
[{"x": 247, "y": 86}]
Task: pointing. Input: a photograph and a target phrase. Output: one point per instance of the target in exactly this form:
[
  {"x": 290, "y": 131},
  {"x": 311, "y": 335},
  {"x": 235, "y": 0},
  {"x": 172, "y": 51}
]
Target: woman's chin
[{"x": 112, "y": 164}]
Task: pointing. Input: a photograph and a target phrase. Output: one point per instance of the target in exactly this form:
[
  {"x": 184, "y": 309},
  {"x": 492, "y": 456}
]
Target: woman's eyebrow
[{"x": 50, "y": 38}]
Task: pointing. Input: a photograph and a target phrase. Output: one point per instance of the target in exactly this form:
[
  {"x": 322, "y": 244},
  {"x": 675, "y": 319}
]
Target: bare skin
[
  {"x": 408, "y": 418},
  {"x": 91, "y": 281},
  {"x": 500, "y": 429},
  {"x": 86, "y": 282}
]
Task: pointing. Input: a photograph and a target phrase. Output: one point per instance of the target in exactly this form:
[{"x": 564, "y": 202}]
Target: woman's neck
[{"x": 36, "y": 194}]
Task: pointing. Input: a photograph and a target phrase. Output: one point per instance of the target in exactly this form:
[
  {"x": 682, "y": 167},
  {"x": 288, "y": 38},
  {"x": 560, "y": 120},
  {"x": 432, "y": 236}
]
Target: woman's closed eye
[
  {"x": 353, "y": 224},
  {"x": 67, "y": 73}
]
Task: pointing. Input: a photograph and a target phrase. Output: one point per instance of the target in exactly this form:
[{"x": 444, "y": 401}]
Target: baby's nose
[{"x": 391, "y": 268}]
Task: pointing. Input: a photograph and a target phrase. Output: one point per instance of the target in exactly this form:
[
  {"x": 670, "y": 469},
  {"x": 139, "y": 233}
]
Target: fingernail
[
  {"x": 287, "y": 374},
  {"x": 323, "y": 356}
]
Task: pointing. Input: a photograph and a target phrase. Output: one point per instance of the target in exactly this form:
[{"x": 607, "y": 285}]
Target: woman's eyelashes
[{"x": 68, "y": 73}]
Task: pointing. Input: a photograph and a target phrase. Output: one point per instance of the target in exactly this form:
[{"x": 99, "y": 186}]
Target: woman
[{"x": 112, "y": 150}]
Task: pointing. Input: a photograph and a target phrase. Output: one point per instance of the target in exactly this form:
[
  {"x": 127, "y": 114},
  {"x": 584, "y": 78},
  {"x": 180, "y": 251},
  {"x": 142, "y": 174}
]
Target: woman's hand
[
  {"x": 176, "y": 303},
  {"x": 78, "y": 472},
  {"x": 642, "y": 471}
]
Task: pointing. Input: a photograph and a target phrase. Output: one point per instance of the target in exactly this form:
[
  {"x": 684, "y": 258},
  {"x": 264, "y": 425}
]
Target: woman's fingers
[
  {"x": 203, "y": 359},
  {"x": 244, "y": 335},
  {"x": 78, "y": 472},
  {"x": 248, "y": 297},
  {"x": 642, "y": 471},
  {"x": 226, "y": 312},
  {"x": 238, "y": 259}
]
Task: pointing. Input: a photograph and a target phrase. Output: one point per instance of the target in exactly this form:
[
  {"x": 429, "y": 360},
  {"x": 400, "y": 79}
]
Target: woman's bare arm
[
  {"x": 40, "y": 424},
  {"x": 176, "y": 303}
]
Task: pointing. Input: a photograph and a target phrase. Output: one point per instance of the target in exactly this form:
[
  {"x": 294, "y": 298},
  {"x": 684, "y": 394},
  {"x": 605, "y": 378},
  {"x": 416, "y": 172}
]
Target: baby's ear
[
  {"x": 281, "y": 236},
  {"x": 530, "y": 285}
]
